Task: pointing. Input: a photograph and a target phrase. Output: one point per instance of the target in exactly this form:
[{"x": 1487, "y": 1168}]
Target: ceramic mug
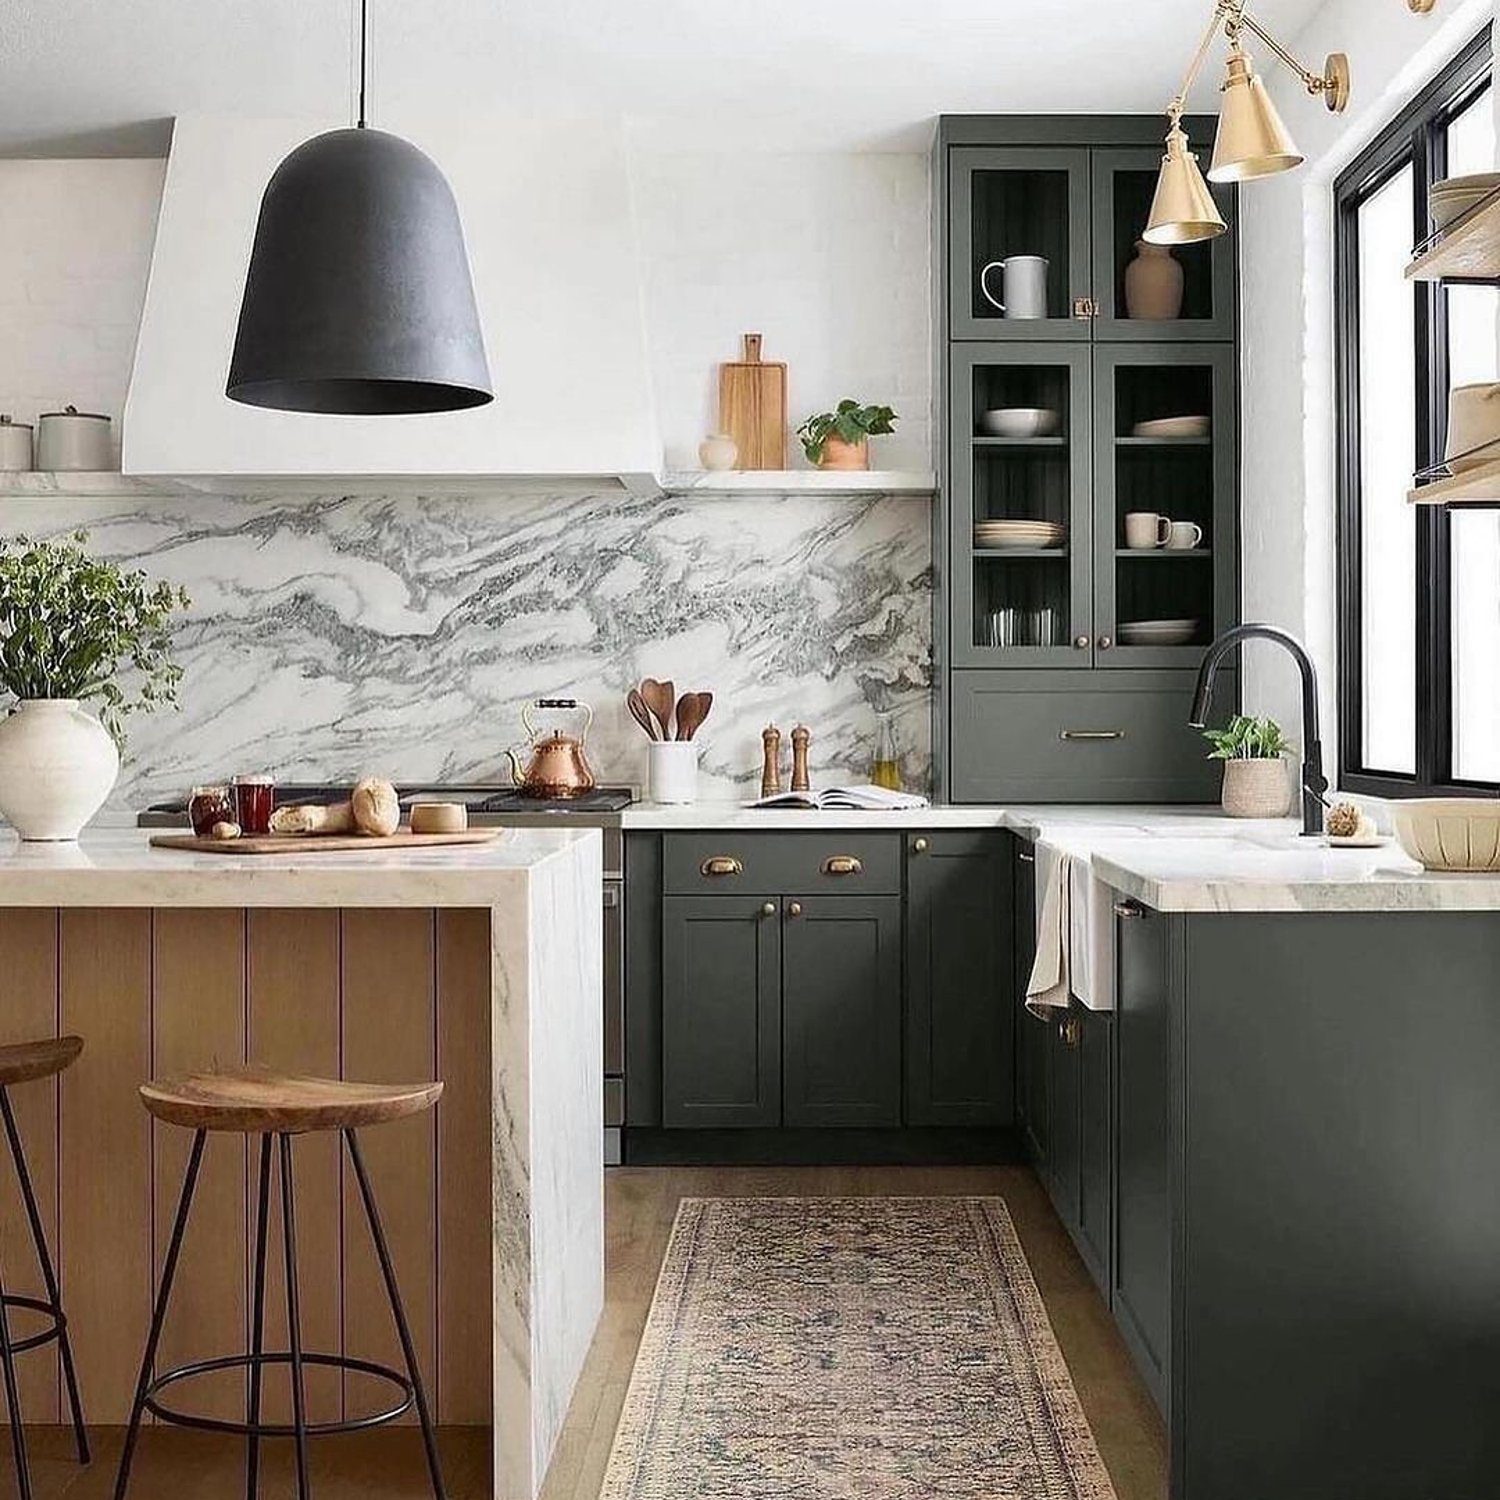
[
  {"x": 1023, "y": 282},
  {"x": 1145, "y": 530},
  {"x": 1183, "y": 536}
]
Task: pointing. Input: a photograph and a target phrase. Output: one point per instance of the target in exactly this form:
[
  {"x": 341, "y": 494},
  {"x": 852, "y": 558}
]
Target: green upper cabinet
[
  {"x": 1133, "y": 304},
  {"x": 1018, "y": 202}
]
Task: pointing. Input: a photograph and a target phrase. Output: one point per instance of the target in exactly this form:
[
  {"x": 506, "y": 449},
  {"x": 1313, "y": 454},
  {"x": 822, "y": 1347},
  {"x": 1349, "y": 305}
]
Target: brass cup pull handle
[
  {"x": 794, "y": 909},
  {"x": 721, "y": 864},
  {"x": 1092, "y": 734},
  {"x": 769, "y": 909},
  {"x": 842, "y": 864},
  {"x": 1070, "y": 1031},
  {"x": 919, "y": 846}
]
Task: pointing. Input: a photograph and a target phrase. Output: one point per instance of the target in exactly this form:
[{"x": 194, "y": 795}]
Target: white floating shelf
[
  {"x": 78, "y": 484},
  {"x": 802, "y": 482},
  {"x": 39, "y": 483},
  {"x": 1479, "y": 486}
]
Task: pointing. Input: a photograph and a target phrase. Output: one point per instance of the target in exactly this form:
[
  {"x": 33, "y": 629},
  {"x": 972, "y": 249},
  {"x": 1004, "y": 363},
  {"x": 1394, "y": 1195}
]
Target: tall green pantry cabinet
[{"x": 1065, "y": 656}]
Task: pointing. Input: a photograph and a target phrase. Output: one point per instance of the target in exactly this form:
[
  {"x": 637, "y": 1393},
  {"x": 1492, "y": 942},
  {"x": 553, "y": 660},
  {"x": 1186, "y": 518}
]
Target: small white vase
[
  {"x": 57, "y": 765},
  {"x": 1256, "y": 788}
]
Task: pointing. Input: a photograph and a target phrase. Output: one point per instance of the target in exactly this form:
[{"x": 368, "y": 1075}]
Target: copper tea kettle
[{"x": 558, "y": 768}]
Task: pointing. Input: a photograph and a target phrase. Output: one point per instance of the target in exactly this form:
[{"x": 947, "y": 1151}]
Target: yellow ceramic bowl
[{"x": 1450, "y": 833}]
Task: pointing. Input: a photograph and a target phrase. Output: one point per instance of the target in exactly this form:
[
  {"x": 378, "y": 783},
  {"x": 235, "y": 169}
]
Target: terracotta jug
[{"x": 1153, "y": 283}]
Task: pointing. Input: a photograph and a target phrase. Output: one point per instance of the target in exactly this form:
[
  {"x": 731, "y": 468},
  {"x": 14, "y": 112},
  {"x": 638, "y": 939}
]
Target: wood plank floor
[{"x": 640, "y": 1206}]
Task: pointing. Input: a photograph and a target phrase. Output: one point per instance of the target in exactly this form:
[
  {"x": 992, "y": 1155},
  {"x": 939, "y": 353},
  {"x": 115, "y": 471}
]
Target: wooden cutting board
[
  {"x": 320, "y": 843},
  {"x": 752, "y": 407}
]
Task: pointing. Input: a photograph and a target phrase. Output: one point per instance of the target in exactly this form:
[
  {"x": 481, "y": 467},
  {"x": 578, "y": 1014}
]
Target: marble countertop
[{"x": 118, "y": 867}]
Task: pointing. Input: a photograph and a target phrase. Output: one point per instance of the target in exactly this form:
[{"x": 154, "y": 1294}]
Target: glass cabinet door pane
[
  {"x": 1020, "y": 242},
  {"x": 1148, "y": 291}
]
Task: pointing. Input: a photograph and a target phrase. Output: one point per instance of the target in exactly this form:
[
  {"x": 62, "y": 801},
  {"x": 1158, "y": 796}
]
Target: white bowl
[
  {"x": 1449, "y": 833},
  {"x": 1019, "y": 422},
  {"x": 1455, "y": 196}
]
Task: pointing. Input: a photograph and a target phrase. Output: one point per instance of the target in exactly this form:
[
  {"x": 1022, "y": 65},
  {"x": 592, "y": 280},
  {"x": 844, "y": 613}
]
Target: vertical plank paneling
[
  {"x": 28, "y": 1012},
  {"x": 105, "y": 1150},
  {"x": 464, "y": 1243},
  {"x": 389, "y": 1036},
  {"x": 198, "y": 1006},
  {"x": 293, "y": 1010}
]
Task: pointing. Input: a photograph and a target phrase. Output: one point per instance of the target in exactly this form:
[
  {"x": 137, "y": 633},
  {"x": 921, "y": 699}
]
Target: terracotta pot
[
  {"x": 1256, "y": 788},
  {"x": 1153, "y": 283},
  {"x": 837, "y": 454}
]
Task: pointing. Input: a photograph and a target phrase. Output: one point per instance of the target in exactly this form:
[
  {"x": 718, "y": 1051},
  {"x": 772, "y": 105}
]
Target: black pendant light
[{"x": 358, "y": 299}]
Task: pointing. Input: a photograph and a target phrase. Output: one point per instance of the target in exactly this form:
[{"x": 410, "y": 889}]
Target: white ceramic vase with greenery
[
  {"x": 1256, "y": 784},
  {"x": 74, "y": 630}
]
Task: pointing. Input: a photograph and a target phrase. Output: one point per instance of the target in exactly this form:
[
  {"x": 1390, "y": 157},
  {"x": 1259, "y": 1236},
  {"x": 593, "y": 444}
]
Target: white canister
[
  {"x": 73, "y": 440},
  {"x": 15, "y": 445},
  {"x": 672, "y": 768}
]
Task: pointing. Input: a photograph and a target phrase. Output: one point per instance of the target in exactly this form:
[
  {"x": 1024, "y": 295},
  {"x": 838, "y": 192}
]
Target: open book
[{"x": 846, "y": 799}]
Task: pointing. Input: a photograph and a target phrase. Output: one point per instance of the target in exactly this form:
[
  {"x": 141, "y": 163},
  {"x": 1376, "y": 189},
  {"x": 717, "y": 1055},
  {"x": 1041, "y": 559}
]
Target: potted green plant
[
  {"x": 840, "y": 439},
  {"x": 1253, "y": 750},
  {"x": 74, "y": 629}
]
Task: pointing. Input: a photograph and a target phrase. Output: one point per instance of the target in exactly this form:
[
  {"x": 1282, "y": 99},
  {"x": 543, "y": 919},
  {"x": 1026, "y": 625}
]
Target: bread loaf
[
  {"x": 337, "y": 817},
  {"x": 377, "y": 811}
]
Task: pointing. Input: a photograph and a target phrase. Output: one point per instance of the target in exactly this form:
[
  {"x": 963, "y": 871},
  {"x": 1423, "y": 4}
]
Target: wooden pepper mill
[
  {"x": 801, "y": 738},
  {"x": 770, "y": 774}
]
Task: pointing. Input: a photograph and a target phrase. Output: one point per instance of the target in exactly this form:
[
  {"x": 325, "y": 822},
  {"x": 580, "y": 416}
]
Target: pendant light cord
[{"x": 364, "y": 22}]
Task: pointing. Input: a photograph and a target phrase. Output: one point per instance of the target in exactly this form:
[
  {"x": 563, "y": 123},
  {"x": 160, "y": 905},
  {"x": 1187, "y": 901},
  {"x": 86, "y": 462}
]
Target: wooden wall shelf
[
  {"x": 802, "y": 481},
  {"x": 1479, "y": 486},
  {"x": 1469, "y": 250}
]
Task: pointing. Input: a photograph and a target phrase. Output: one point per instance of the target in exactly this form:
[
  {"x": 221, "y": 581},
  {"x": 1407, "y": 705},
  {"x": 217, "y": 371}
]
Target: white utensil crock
[
  {"x": 57, "y": 765},
  {"x": 672, "y": 768}
]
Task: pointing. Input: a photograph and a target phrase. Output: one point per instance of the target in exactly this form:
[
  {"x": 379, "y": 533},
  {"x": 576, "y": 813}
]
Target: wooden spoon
[
  {"x": 660, "y": 696},
  {"x": 692, "y": 710},
  {"x": 640, "y": 713}
]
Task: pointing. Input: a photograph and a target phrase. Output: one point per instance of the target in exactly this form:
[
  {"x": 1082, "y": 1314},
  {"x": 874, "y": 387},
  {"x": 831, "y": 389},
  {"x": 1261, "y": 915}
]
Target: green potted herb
[
  {"x": 1253, "y": 750},
  {"x": 73, "y": 630},
  {"x": 841, "y": 439}
]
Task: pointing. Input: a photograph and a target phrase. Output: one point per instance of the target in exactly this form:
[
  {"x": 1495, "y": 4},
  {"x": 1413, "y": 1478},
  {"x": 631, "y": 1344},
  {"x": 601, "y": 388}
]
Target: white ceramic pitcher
[{"x": 1023, "y": 282}]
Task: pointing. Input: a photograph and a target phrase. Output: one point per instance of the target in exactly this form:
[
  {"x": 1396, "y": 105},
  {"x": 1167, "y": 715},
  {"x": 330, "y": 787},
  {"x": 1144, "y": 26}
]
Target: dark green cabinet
[
  {"x": 721, "y": 1011},
  {"x": 1079, "y": 1170},
  {"x": 1031, "y": 1033},
  {"x": 841, "y": 1010},
  {"x": 960, "y": 1032},
  {"x": 1141, "y": 1290}
]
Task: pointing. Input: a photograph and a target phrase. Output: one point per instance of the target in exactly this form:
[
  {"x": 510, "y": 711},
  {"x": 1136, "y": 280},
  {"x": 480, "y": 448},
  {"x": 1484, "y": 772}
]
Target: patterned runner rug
[{"x": 850, "y": 1349}]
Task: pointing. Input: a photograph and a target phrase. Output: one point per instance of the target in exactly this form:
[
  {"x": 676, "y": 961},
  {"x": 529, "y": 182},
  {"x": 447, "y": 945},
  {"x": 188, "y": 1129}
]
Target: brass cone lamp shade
[
  {"x": 1183, "y": 210},
  {"x": 1252, "y": 142}
]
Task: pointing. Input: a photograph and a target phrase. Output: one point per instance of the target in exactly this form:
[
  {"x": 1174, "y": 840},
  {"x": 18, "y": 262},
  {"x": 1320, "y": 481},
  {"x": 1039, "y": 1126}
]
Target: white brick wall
[{"x": 74, "y": 255}]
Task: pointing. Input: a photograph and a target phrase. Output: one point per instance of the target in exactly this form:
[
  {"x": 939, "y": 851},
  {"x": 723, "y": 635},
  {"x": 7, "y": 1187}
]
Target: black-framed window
[{"x": 1418, "y": 586}]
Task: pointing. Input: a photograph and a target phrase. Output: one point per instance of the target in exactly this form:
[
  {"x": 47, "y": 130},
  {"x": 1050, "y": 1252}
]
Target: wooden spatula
[
  {"x": 692, "y": 710},
  {"x": 660, "y": 696}
]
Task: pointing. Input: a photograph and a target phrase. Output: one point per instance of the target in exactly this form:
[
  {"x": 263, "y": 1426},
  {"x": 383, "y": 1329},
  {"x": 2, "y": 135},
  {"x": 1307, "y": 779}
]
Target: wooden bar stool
[
  {"x": 23, "y": 1063},
  {"x": 254, "y": 1102}
]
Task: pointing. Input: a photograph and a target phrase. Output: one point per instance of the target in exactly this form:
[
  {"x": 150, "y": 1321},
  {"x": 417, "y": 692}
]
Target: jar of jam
[
  {"x": 209, "y": 805},
  {"x": 254, "y": 797}
]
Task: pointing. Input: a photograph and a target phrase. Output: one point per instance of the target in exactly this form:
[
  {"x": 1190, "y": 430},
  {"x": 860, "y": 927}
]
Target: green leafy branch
[
  {"x": 850, "y": 423},
  {"x": 1247, "y": 738},
  {"x": 72, "y": 625}
]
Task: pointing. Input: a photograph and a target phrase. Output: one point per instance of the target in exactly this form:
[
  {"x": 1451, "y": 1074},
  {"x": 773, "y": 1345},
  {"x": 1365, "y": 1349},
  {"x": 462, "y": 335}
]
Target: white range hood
[{"x": 547, "y": 215}]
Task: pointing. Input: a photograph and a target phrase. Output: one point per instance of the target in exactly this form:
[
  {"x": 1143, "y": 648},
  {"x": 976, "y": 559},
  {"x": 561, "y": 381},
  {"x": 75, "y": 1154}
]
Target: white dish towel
[{"x": 1075, "y": 933}]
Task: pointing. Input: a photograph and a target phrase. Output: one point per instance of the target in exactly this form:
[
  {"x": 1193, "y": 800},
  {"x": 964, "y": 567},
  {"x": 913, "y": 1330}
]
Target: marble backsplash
[{"x": 400, "y": 635}]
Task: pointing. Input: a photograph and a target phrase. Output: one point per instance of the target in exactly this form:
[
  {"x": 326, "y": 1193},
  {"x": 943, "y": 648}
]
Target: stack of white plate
[
  {"x": 1171, "y": 427},
  {"x": 1158, "y": 632},
  {"x": 1018, "y": 534},
  {"x": 1452, "y": 198}
]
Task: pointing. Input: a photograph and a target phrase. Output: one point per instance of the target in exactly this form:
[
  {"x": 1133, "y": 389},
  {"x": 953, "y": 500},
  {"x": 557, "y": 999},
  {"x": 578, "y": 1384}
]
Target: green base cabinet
[
  {"x": 960, "y": 1032},
  {"x": 1032, "y": 1034}
]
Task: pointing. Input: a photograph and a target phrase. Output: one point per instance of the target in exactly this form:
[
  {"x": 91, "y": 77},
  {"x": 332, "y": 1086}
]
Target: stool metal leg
[
  {"x": 387, "y": 1270},
  {"x": 258, "y": 1321},
  {"x": 293, "y": 1321},
  {"x": 49, "y": 1278},
  {"x": 13, "y": 1401},
  {"x": 158, "y": 1317}
]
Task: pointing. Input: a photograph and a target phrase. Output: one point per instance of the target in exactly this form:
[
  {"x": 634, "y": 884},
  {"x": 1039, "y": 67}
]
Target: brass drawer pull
[
  {"x": 1129, "y": 910},
  {"x": 1026, "y": 858},
  {"x": 721, "y": 864},
  {"x": 842, "y": 864},
  {"x": 1092, "y": 734}
]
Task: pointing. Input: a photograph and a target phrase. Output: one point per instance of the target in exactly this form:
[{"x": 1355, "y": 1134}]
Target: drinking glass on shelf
[
  {"x": 1002, "y": 628},
  {"x": 1044, "y": 626}
]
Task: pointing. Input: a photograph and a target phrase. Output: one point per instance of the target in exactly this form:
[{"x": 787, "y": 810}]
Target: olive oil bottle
[{"x": 885, "y": 768}]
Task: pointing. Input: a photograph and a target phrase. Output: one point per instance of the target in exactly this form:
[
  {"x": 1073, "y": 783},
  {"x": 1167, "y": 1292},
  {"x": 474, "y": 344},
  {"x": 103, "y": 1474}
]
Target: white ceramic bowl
[
  {"x": 1019, "y": 422},
  {"x": 1449, "y": 833},
  {"x": 1455, "y": 196}
]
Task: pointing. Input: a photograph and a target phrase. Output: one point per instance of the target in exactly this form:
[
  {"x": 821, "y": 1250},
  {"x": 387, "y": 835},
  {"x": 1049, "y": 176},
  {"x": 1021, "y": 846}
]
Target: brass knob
[
  {"x": 769, "y": 909},
  {"x": 1080, "y": 643},
  {"x": 919, "y": 846},
  {"x": 1070, "y": 1031},
  {"x": 794, "y": 909},
  {"x": 721, "y": 864},
  {"x": 842, "y": 864},
  {"x": 1105, "y": 642}
]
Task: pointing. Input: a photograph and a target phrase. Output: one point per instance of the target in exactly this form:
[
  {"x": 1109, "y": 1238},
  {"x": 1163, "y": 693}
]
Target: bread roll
[{"x": 376, "y": 808}]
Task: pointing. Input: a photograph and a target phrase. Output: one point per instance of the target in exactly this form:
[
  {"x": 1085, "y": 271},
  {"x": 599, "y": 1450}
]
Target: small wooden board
[
  {"x": 320, "y": 843},
  {"x": 752, "y": 407}
]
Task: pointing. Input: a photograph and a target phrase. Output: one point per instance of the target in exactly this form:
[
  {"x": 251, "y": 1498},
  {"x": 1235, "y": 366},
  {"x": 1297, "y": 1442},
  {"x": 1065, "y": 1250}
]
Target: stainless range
[{"x": 491, "y": 806}]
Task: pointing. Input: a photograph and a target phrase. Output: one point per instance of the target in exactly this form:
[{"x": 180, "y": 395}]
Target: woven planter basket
[{"x": 1256, "y": 788}]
